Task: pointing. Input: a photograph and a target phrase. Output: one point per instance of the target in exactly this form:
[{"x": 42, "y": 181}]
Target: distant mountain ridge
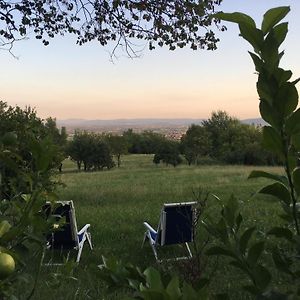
[{"x": 127, "y": 123}]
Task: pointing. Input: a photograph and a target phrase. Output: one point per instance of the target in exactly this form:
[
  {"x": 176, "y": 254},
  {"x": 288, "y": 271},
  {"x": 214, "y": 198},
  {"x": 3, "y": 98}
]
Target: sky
[{"x": 67, "y": 81}]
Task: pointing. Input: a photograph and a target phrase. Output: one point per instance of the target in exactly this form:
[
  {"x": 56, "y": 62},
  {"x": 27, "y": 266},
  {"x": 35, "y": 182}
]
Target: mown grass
[{"x": 116, "y": 203}]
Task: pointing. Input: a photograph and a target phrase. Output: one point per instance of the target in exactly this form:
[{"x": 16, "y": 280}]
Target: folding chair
[
  {"x": 67, "y": 238},
  {"x": 175, "y": 227}
]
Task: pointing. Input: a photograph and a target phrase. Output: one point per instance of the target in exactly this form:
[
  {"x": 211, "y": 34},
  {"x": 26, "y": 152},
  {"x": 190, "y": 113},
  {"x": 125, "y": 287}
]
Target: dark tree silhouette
[{"x": 176, "y": 23}]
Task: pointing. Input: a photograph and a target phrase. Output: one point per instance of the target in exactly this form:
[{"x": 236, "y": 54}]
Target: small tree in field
[
  {"x": 118, "y": 146},
  {"x": 168, "y": 152},
  {"x": 195, "y": 143}
]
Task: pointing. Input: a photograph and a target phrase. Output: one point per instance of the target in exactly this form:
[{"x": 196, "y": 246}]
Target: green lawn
[{"x": 116, "y": 203}]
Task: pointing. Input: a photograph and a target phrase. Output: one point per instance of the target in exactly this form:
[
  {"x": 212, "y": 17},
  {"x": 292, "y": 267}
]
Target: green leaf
[
  {"x": 272, "y": 140},
  {"x": 263, "y": 174},
  {"x": 4, "y": 227},
  {"x": 282, "y": 263},
  {"x": 266, "y": 86},
  {"x": 269, "y": 114},
  {"x": 296, "y": 180},
  {"x": 236, "y": 17},
  {"x": 188, "y": 293},
  {"x": 153, "y": 278},
  {"x": 262, "y": 277},
  {"x": 277, "y": 190},
  {"x": 282, "y": 75},
  {"x": 281, "y": 232},
  {"x": 259, "y": 64},
  {"x": 173, "y": 289},
  {"x": 280, "y": 32},
  {"x": 239, "y": 265},
  {"x": 216, "y": 250},
  {"x": 270, "y": 53},
  {"x": 293, "y": 123},
  {"x": 245, "y": 239},
  {"x": 230, "y": 211},
  {"x": 255, "y": 252},
  {"x": 238, "y": 221},
  {"x": 273, "y": 17},
  {"x": 251, "y": 289},
  {"x": 286, "y": 99},
  {"x": 295, "y": 141},
  {"x": 253, "y": 35},
  {"x": 149, "y": 294},
  {"x": 222, "y": 296},
  {"x": 222, "y": 230},
  {"x": 296, "y": 81}
]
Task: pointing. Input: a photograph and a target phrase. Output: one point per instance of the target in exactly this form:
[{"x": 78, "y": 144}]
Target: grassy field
[{"x": 116, "y": 203}]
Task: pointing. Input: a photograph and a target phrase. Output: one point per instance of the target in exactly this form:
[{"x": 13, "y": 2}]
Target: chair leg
[
  {"x": 89, "y": 238},
  {"x": 189, "y": 250},
  {"x": 154, "y": 251},
  {"x": 79, "y": 253}
]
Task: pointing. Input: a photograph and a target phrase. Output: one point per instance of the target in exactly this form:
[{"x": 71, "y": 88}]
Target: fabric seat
[
  {"x": 67, "y": 237},
  {"x": 176, "y": 226}
]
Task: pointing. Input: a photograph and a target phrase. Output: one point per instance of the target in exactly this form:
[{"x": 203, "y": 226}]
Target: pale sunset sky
[{"x": 66, "y": 81}]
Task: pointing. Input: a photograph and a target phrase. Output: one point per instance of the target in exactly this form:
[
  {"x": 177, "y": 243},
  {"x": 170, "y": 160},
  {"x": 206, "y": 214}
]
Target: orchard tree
[
  {"x": 219, "y": 127},
  {"x": 168, "y": 152},
  {"x": 118, "y": 146},
  {"x": 195, "y": 143},
  {"x": 91, "y": 150},
  {"x": 174, "y": 24},
  {"x": 35, "y": 144}
]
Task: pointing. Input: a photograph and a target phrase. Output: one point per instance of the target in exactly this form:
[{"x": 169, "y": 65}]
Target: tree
[
  {"x": 218, "y": 126},
  {"x": 168, "y": 152},
  {"x": 91, "y": 150},
  {"x": 118, "y": 146},
  {"x": 195, "y": 143},
  {"x": 34, "y": 145},
  {"x": 176, "y": 23},
  {"x": 146, "y": 142}
]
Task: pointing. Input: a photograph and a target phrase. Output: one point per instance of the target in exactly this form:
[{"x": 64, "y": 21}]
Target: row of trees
[
  {"x": 225, "y": 139},
  {"x": 90, "y": 151},
  {"x": 220, "y": 139}
]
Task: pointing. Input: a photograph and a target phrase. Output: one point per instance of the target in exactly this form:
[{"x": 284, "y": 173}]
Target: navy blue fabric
[
  {"x": 61, "y": 239},
  {"x": 179, "y": 224},
  {"x": 80, "y": 237},
  {"x": 153, "y": 234}
]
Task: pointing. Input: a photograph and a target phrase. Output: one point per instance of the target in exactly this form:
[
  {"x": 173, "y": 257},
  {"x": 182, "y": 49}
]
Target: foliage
[
  {"x": 91, "y": 150},
  {"x": 149, "y": 284},
  {"x": 118, "y": 146},
  {"x": 168, "y": 152},
  {"x": 146, "y": 142},
  {"x": 171, "y": 23},
  {"x": 22, "y": 228},
  {"x": 35, "y": 145},
  {"x": 30, "y": 150},
  {"x": 278, "y": 107},
  {"x": 225, "y": 139},
  {"x": 195, "y": 143}
]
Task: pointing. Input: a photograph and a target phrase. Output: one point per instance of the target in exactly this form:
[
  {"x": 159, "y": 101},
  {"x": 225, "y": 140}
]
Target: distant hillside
[
  {"x": 120, "y": 125},
  {"x": 257, "y": 121},
  {"x": 129, "y": 122}
]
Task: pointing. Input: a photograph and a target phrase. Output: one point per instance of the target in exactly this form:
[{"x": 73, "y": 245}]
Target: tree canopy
[{"x": 176, "y": 23}]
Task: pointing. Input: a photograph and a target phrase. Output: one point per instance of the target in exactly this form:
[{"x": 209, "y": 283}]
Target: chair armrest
[
  {"x": 84, "y": 229},
  {"x": 149, "y": 228}
]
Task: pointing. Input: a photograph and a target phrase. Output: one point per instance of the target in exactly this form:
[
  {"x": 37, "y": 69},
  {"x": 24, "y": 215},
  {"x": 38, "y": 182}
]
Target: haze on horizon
[{"x": 66, "y": 81}]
